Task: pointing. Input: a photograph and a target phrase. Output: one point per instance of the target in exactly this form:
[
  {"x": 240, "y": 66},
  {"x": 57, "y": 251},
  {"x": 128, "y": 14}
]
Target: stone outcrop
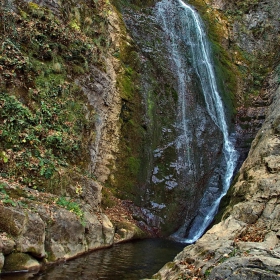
[
  {"x": 40, "y": 229},
  {"x": 245, "y": 244}
]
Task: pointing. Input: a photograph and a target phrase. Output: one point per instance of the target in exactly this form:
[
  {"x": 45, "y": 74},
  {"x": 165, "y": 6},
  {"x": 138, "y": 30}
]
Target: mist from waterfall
[{"x": 182, "y": 24}]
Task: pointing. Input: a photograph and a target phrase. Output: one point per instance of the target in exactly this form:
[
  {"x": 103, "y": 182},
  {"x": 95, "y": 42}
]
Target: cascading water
[{"x": 182, "y": 25}]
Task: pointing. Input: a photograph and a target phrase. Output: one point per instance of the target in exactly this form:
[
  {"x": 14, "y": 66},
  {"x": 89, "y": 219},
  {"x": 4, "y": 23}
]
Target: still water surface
[{"x": 128, "y": 261}]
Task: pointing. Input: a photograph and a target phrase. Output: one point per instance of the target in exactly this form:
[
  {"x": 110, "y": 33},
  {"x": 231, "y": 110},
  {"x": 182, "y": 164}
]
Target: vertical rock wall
[
  {"x": 167, "y": 191},
  {"x": 246, "y": 243}
]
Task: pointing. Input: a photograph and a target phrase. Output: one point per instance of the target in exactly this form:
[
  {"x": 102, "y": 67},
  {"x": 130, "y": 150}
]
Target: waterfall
[{"x": 183, "y": 26}]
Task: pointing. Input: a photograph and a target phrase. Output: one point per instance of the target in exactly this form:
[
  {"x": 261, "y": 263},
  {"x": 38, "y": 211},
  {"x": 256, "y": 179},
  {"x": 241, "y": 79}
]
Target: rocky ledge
[
  {"x": 245, "y": 244},
  {"x": 37, "y": 228},
  {"x": 40, "y": 228}
]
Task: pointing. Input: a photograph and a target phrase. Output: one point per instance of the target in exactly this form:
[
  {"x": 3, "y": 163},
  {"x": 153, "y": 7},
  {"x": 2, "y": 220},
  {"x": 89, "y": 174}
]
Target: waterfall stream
[{"x": 183, "y": 26}]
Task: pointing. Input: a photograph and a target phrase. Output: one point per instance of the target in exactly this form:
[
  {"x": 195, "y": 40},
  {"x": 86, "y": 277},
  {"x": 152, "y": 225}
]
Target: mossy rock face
[
  {"x": 125, "y": 231},
  {"x": 148, "y": 170},
  {"x": 20, "y": 261},
  {"x": 54, "y": 123}
]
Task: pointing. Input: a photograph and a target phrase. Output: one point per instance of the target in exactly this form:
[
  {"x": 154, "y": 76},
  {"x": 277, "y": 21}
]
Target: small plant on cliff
[{"x": 72, "y": 206}]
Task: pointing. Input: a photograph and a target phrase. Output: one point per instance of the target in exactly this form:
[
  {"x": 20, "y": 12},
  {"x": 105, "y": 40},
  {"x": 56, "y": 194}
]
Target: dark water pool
[{"x": 128, "y": 261}]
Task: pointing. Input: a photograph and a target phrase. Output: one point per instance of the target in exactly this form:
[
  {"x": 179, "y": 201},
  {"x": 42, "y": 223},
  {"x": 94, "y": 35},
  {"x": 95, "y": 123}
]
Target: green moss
[
  {"x": 129, "y": 159},
  {"x": 134, "y": 4},
  {"x": 107, "y": 199},
  {"x": 208, "y": 271},
  {"x": 126, "y": 86},
  {"x": 19, "y": 261},
  {"x": 170, "y": 265},
  {"x": 134, "y": 165}
]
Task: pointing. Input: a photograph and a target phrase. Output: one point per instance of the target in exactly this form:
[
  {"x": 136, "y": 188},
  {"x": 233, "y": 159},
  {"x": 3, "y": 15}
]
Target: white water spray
[{"x": 182, "y": 24}]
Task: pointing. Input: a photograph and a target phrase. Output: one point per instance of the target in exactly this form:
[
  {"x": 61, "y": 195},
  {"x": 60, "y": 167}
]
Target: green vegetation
[
  {"x": 72, "y": 206},
  {"x": 4, "y": 197},
  {"x": 134, "y": 4},
  {"x": 125, "y": 179},
  {"x": 225, "y": 69},
  {"x": 45, "y": 124}
]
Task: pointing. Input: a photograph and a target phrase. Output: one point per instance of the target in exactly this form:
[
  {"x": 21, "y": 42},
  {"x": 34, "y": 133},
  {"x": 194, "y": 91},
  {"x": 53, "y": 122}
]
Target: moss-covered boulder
[
  {"x": 20, "y": 261},
  {"x": 126, "y": 231}
]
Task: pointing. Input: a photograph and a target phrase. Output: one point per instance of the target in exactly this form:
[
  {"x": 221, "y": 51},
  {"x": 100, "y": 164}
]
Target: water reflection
[{"x": 128, "y": 261}]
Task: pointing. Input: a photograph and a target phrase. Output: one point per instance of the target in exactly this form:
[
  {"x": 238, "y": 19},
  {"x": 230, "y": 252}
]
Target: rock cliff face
[
  {"x": 181, "y": 150},
  {"x": 245, "y": 243},
  {"x": 122, "y": 91}
]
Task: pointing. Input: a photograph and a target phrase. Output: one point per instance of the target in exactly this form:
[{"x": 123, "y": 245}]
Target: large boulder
[
  {"x": 68, "y": 236},
  {"x": 26, "y": 227}
]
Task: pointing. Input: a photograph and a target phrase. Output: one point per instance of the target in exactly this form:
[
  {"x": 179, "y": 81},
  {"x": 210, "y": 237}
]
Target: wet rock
[
  {"x": 186, "y": 145},
  {"x": 249, "y": 231}
]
